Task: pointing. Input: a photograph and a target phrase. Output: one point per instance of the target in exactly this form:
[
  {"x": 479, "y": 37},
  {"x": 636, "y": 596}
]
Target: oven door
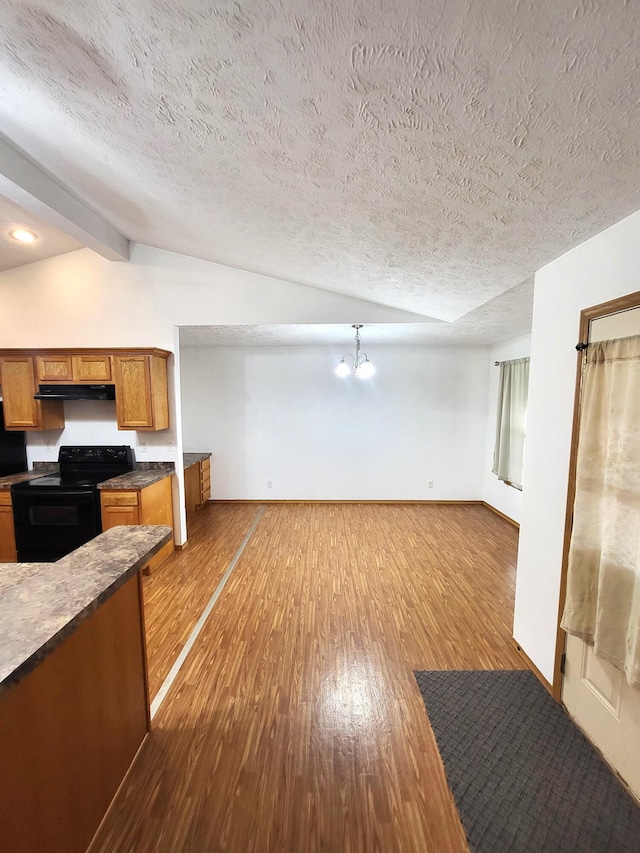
[{"x": 50, "y": 523}]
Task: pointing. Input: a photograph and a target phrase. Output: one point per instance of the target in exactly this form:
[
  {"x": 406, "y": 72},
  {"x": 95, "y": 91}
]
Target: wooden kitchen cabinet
[
  {"x": 151, "y": 505},
  {"x": 21, "y": 411},
  {"x": 119, "y": 508},
  {"x": 54, "y": 368},
  {"x": 70, "y": 728},
  {"x": 142, "y": 396},
  {"x": 139, "y": 375},
  {"x": 60, "y": 367},
  {"x": 92, "y": 368},
  {"x": 8, "y": 552},
  {"x": 205, "y": 480},
  {"x": 197, "y": 485}
]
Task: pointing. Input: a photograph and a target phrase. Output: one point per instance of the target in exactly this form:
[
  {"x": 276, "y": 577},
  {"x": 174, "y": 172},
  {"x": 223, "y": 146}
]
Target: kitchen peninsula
[{"x": 74, "y": 704}]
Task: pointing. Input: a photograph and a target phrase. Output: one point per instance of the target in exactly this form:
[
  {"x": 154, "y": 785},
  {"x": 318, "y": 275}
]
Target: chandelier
[{"x": 362, "y": 367}]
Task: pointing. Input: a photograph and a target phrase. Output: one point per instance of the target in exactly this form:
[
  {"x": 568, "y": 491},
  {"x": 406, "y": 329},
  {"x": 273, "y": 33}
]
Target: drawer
[
  {"x": 118, "y": 498},
  {"x": 205, "y": 483},
  {"x": 5, "y": 497},
  {"x": 92, "y": 368},
  {"x": 54, "y": 368}
]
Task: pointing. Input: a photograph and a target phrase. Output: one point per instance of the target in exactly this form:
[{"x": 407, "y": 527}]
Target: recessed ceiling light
[{"x": 22, "y": 235}]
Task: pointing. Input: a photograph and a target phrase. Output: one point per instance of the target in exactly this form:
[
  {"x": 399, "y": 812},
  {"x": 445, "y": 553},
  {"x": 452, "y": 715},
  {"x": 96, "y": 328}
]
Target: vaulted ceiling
[
  {"x": 428, "y": 156},
  {"x": 50, "y": 241}
]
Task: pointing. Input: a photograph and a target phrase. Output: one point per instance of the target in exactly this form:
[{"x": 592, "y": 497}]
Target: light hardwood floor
[
  {"x": 178, "y": 590},
  {"x": 295, "y": 723}
]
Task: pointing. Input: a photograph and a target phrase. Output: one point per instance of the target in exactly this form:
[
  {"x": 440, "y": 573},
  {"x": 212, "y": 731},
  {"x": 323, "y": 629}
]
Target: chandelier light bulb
[
  {"x": 362, "y": 367},
  {"x": 343, "y": 369},
  {"x": 365, "y": 369}
]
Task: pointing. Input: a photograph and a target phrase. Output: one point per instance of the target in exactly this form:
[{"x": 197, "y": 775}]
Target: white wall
[
  {"x": 504, "y": 498},
  {"x": 89, "y": 422},
  {"x": 280, "y": 414},
  {"x": 604, "y": 268},
  {"x": 82, "y": 300}
]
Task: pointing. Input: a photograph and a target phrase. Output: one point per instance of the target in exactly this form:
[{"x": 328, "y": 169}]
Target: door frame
[{"x": 595, "y": 312}]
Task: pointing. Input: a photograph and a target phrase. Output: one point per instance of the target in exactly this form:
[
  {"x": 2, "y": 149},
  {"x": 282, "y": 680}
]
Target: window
[{"x": 508, "y": 453}]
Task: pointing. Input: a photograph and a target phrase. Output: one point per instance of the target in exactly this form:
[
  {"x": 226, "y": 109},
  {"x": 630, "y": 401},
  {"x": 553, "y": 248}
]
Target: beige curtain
[
  {"x": 603, "y": 584},
  {"x": 508, "y": 453}
]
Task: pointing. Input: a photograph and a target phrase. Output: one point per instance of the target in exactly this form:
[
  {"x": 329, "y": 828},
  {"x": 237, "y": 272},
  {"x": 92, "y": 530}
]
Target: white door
[{"x": 594, "y": 692}]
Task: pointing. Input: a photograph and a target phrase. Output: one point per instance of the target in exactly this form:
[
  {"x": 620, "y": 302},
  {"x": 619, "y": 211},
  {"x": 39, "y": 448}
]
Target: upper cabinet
[
  {"x": 54, "y": 368},
  {"x": 142, "y": 398},
  {"x": 21, "y": 411},
  {"x": 92, "y": 367},
  {"x": 88, "y": 367},
  {"x": 139, "y": 376}
]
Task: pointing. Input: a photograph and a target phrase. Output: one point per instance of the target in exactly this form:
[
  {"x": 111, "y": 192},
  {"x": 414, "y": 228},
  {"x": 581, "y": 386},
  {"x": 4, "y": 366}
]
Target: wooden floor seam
[{"x": 197, "y": 628}]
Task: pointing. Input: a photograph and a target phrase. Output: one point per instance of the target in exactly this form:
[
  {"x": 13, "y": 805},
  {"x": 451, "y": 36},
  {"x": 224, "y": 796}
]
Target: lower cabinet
[
  {"x": 205, "y": 480},
  {"x": 70, "y": 729},
  {"x": 7, "y": 537},
  {"x": 197, "y": 485},
  {"x": 151, "y": 505}
]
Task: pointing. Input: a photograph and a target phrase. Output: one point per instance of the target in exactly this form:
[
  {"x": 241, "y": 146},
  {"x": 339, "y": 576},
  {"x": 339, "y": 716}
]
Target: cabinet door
[
  {"x": 156, "y": 507},
  {"x": 21, "y": 411},
  {"x": 54, "y": 368},
  {"x": 119, "y": 508},
  {"x": 133, "y": 391},
  {"x": 142, "y": 398},
  {"x": 192, "y": 488},
  {"x": 7, "y": 538},
  {"x": 92, "y": 368}
]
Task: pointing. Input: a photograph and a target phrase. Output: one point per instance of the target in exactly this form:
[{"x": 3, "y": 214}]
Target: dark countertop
[
  {"x": 7, "y": 482},
  {"x": 189, "y": 459},
  {"x": 140, "y": 478},
  {"x": 42, "y": 603},
  {"x": 145, "y": 473}
]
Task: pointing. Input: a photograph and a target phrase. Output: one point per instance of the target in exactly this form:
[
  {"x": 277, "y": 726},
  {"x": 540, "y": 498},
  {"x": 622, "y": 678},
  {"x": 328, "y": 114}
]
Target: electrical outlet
[
  {"x": 430, "y": 484},
  {"x": 269, "y": 484},
  {"x": 143, "y": 448}
]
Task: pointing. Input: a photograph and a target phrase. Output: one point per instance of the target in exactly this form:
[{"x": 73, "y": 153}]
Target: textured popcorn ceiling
[
  {"x": 424, "y": 155},
  {"x": 506, "y": 316}
]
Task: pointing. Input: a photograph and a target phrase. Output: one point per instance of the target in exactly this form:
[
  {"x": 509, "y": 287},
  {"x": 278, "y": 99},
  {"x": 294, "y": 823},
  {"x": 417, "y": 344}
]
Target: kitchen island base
[
  {"x": 71, "y": 728},
  {"x": 74, "y": 715}
]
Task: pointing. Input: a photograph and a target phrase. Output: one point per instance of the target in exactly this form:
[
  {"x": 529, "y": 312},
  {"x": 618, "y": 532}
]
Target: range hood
[{"x": 76, "y": 392}]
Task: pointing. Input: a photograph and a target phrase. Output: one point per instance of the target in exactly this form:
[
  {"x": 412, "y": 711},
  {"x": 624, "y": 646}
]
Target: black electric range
[{"x": 55, "y": 514}]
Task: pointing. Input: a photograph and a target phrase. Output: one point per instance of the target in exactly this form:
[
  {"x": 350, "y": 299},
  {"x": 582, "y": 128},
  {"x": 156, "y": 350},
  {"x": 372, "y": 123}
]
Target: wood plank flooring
[
  {"x": 176, "y": 593},
  {"x": 295, "y": 723}
]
